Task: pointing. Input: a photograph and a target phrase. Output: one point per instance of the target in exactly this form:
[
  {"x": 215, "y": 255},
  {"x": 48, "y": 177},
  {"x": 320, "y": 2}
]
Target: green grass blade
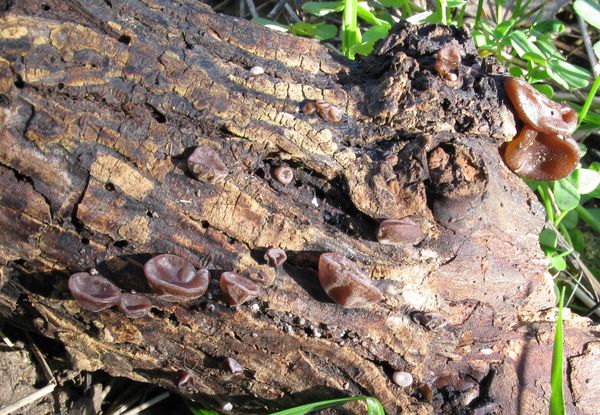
[
  {"x": 374, "y": 407},
  {"x": 478, "y": 15},
  {"x": 350, "y": 31},
  {"x": 201, "y": 411},
  {"x": 589, "y": 99},
  {"x": 557, "y": 399}
]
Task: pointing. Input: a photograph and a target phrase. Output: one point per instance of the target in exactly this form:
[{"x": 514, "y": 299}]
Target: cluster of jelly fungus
[
  {"x": 237, "y": 289},
  {"x": 275, "y": 257},
  {"x": 405, "y": 230},
  {"x": 175, "y": 278},
  {"x": 206, "y": 165},
  {"x": 345, "y": 283},
  {"x": 134, "y": 305},
  {"x": 93, "y": 292},
  {"x": 326, "y": 111},
  {"x": 543, "y": 150}
]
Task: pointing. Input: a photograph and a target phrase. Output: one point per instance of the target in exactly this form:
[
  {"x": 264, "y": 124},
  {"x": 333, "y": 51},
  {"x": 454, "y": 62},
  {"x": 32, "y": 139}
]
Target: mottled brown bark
[{"x": 101, "y": 103}]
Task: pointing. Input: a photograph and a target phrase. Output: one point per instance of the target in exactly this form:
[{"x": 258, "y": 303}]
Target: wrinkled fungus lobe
[
  {"x": 538, "y": 111},
  {"x": 541, "y": 156},
  {"x": 206, "y": 165},
  {"x": 447, "y": 62},
  {"x": 237, "y": 289},
  {"x": 326, "y": 111},
  {"x": 344, "y": 283},
  {"x": 406, "y": 230},
  {"x": 283, "y": 174},
  {"x": 275, "y": 257},
  {"x": 175, "y": 279},
  {"x": 134, "y": 305},
  {"x": 93, "y": 292}
]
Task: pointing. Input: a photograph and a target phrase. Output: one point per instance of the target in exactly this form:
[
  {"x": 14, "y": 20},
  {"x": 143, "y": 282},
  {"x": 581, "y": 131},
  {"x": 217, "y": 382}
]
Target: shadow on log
[{"x": 102, "y": 102}]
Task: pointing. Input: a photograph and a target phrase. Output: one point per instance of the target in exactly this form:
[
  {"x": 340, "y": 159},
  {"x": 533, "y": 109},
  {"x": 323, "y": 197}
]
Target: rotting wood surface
[{"x": 101, "y": 103}]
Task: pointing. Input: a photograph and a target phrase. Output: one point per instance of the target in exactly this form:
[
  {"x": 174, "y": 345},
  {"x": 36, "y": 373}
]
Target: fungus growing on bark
[
  {"x": 345, "y": 283},
  {"x": 184, "y": 379},
  {"x": 326, "y": 111},
  {"x": 206, "y": 165},
  {"x": 233, "y": 365},
  {"x": 538, "y": 111},
  {"x": 406, "y": 230},
  {"x": 283, "y": 174},
  {"x": 448, "y": 59},
  {"x": 309, "y": 108},
  {"x": 275, "y": 257},
  {"x": 175, "y": 279},
  {"x": 237, "y": 289},
  {"x": 93, "y": 292},
  {"x": 541, "y": 156},
  {"x": 134, "y": 305},
  {"x": 403, "y": 379},
  {"x": 256, "y": 70}
]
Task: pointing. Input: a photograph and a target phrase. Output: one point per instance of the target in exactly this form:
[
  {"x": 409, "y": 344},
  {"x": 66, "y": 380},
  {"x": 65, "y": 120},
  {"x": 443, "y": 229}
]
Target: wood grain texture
[{"x": 102, "y": 102}]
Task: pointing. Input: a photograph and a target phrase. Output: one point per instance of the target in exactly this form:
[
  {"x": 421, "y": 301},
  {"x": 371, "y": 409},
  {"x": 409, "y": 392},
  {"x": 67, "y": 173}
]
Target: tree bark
[{"x": 102, "y": 102}]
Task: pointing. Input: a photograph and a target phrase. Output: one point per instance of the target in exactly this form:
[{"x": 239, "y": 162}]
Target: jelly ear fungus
[
  {"x": 543, "y": 150},
  {"x": 134, "y": 305},
  {"x": 275, "y": 257},
  {"x": 405, "y": 230},
  {"x": 175, "y": 279},
  {"x": 538, "y": 111},
  {"x": 446, "y": 65},
  {"x": 206, "y": 165},
  {"x": 541, "y": 156},
  {"x": 237, "y": 289},
  {"x": 345, "y": 283},
  {"x": 93, "y": 292}
]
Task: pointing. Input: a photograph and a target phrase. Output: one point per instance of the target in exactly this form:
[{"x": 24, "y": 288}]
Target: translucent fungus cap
[
  {"x": 134, "y": 305},
  {"x": 405, "y": 230},
  {"x": 206, "y": 165},
  {"x": 345, "y": 283},
  {"x": 538, "y": 111},
  {"x": 237, "y": 289},
  {"x": 93, "y": 292},
  {"x": 175, "y": 278},
  {"x": 275, "y": 257},
  {"x": 541, "y": 156}
]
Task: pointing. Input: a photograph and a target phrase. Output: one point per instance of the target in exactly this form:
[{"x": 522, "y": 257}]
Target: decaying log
[{"x": 102, "y": 102}]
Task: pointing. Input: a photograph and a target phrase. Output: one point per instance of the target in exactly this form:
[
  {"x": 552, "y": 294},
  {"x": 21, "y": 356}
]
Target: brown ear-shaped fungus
[
  {"x": 538, "y": 111},
  {"x": 406, "y": 230},
  {"x": 344, "y": 283},
  {"x": 275, "y": 257},
  {"x": 541, "y": 156},
  {"x": 447, "y": 62},
  {"x": 237, "y": 289},
  {"x": 283, "y": 174},
  {"x": 327, "y": 111},
  {"x": 309, "y": 108},
  {"x": 206, "y": 165},
  {"x": 175, "y": 279},
  {"x": 93, "y": 292},
  {"x": 134, "y": 305}
]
